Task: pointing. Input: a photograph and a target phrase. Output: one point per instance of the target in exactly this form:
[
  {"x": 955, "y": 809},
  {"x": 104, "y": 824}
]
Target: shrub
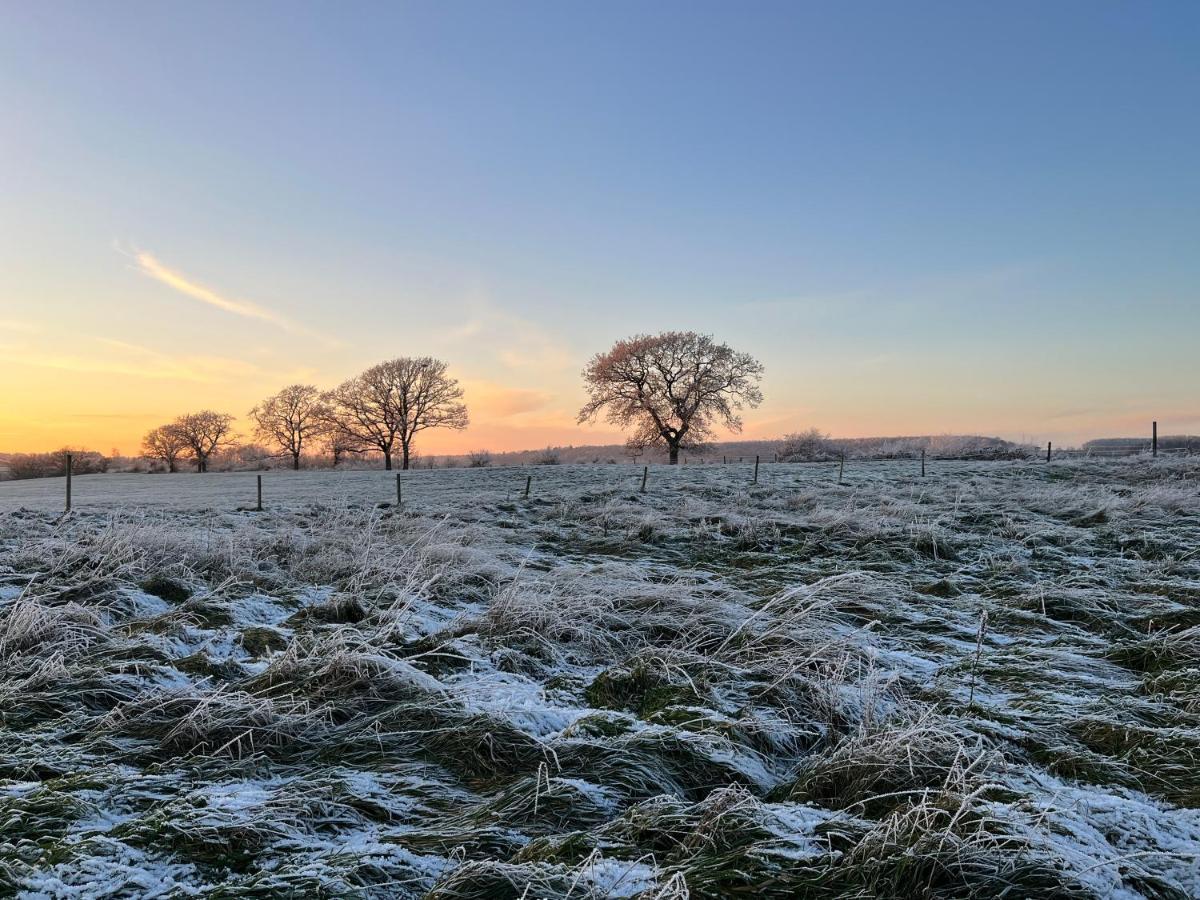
[
  {"x": 807, "y": 446},
  {"x": 52, "y": 465}
]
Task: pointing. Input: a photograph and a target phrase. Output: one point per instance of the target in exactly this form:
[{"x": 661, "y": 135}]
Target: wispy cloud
[
  {"x": 138, "y": 362},
  {"x": 148, "y": 265},
  {"x": 151, "y": 267}
]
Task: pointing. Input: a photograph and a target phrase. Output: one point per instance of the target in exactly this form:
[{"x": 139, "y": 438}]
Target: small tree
[
  {"x": 479, "y": 459},
  {"x": 291, "y": 420},
  {"x": 338, "y": 444},
  {"x": 166, "y": 443},
  {"x": 204, "y": 433},
  {"x": 672, "y": 389},
  {"x": 391, "y": 403}
]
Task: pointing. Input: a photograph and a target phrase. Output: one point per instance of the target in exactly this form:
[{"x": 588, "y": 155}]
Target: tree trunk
[
  {"x": 404, "y": 458},
  {"x": 387, "y": 460},
  {"x": 673, "y": 450},
  {"x": 296, "y": 461},
  {"x": 171, "y": 466}
]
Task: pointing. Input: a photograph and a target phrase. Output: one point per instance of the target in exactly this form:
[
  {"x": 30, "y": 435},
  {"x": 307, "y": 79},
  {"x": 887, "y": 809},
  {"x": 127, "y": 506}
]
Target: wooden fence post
[
  {"x": 528, "y": 482},
  {"x": 1049, "y": 447},
  {"x": 645, "y": 474},
  {"x": 756, "y": 470},
  {"x": 70, "y": 461},
  {"x": 1154, "y": 439},
  {"x": 922, "y": 462},
  {"x": 399, "y": 496},
  {"x": 841, "y": 466},
  {"x": 259, "y": 506}
]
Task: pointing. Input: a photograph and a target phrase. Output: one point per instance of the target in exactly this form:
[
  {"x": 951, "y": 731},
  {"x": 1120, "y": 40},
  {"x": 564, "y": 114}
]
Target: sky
[{"x": 923, "y": 218}]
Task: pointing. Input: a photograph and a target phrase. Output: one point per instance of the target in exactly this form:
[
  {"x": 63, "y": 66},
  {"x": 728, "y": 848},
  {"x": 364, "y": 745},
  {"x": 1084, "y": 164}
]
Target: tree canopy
[{"x": 672, "y": 389}]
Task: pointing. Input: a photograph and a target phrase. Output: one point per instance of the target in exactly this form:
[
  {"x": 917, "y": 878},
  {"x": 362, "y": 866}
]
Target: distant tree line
[{"x": 814, "y": 446}]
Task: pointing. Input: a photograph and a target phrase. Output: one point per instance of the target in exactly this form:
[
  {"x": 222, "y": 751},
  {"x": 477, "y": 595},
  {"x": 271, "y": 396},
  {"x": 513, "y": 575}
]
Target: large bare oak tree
[
  {"x": 167, "y": 443},
  {"x": 291, "y": 420},
  {"x": 205, "y": 432},
  {"x": 672, "y": 388},
  {"x": 389, "y": 404}
]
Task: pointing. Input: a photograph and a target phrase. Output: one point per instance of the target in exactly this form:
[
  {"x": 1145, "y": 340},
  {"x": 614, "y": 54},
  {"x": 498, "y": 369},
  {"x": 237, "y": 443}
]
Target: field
[{"x": 981, "y": 683}]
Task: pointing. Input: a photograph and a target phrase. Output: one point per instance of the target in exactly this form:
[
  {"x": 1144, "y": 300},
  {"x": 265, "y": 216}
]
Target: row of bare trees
[
  {"x": 672, "y": 389},
  {"x": 383, "y": 409}
]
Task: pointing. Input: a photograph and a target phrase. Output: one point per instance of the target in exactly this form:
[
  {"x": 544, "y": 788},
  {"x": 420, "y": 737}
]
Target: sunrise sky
[{"x": 922, "y": 218}]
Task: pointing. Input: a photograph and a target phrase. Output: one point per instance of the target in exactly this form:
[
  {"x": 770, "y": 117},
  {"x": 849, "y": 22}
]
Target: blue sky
[{"x": 921, "y": 217}]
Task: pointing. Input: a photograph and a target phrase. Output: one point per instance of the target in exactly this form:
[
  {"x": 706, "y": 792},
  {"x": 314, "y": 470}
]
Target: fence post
[
  {"x": 645, "y": 474},
  {"x": 399, "y": 497},
  {"x": 922, "y": 462},
  {"x": 259, "y": 507},
  {"x": 70, "y": 461},
  {"x": 1154, "y": 439},
  {"x": 1049, "y": 446},
  {"x": 756, "y": 470},
  {"x": 528, "y": 482},
  {"x": 841, "y": 466}
]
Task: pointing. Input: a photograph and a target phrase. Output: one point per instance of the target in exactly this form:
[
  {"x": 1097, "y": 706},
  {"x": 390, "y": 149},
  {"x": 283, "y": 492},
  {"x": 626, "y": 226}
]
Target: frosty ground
[{"x": 980, "y": 681}]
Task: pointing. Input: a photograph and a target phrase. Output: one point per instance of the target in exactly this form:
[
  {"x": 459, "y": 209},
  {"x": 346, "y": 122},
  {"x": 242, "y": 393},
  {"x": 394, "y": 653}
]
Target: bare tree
[
  {"x": 392, "y": 402},
  {"x": 166, "y": 443},
  {"x": 291, "y": 419},
  {"x": 336, "y": 443},
  {"x": 672, "y": 388},
  {"x": 204, "y": 433},
  {"x": 479, "y": 459}
]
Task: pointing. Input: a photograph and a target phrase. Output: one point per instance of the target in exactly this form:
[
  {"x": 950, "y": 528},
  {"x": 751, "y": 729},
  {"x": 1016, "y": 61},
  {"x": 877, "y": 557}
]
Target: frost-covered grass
[{"x": 980, "y": 683}]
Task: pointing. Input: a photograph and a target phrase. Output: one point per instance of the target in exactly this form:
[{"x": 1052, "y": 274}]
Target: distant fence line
[{"x": 755, "y": 462}]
